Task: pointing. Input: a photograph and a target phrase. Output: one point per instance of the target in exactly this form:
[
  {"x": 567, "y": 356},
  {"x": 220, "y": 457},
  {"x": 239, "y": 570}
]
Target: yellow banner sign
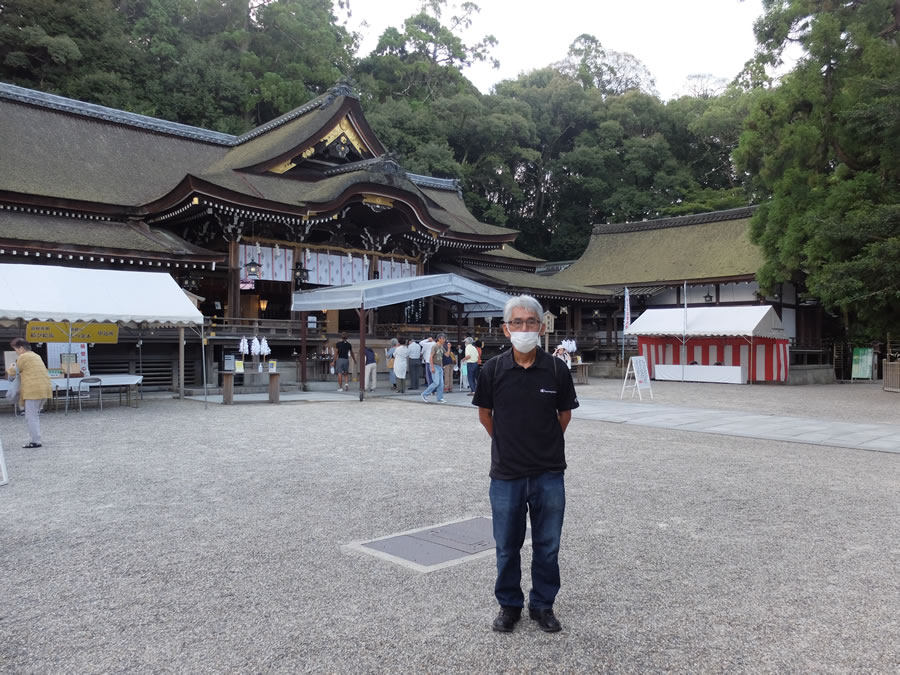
[{"x": 53, "y": 331}]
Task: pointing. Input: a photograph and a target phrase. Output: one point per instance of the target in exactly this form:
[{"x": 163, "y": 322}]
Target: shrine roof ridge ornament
[
  {"x": 676, "y": 221},
  {"x": 68, "y": 105}
]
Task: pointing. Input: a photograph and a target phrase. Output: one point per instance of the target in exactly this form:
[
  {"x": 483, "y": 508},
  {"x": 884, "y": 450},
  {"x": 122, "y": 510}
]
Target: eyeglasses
[{"x": 519, "y": 323}]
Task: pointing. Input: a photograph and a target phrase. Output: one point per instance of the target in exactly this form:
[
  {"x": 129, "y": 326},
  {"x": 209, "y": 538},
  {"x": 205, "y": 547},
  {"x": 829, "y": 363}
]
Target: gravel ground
[{"x": 174, "y": 538}]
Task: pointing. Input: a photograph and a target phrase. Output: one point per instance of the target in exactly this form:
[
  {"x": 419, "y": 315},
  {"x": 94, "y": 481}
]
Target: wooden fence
[{"x": 891, "y": 376}]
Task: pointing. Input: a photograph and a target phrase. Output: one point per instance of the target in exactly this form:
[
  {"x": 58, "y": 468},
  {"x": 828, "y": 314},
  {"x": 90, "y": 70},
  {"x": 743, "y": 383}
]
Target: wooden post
[
  {"x": 181, "y": 362},
  {"x": 234, "y": 281},
  {"x": 228, "y": 388},
  {"x": 274, "y": 387}
]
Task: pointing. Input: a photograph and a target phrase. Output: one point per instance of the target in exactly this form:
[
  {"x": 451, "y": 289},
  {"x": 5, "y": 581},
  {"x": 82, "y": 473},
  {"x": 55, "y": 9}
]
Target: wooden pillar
[
  {"x": 332, "y": 323},
  {"x": 234, "y": 282},
  {"x": 181, "y": 362}
]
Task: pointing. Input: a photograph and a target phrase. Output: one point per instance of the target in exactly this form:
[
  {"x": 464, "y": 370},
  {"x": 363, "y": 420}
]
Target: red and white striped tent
[{"x": 751, "y": 336}]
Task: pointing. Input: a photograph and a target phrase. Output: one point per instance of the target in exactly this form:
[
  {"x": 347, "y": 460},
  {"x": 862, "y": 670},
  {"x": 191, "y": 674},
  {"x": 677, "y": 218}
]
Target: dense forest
[{"x": 552, "y": 152}]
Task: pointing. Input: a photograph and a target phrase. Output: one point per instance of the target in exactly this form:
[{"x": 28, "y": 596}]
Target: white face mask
[{"x": 523, "y": 341}]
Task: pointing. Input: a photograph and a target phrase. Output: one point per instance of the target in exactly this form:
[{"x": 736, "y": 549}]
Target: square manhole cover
[{"x": 435, "y": 547}]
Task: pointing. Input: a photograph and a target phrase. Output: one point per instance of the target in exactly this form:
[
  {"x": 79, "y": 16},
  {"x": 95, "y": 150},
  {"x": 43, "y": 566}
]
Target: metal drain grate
[{"x": 435, "y": 547}]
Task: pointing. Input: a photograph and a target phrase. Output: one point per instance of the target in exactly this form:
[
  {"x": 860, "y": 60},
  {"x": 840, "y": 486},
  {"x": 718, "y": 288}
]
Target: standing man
[
  {"x": 436, "y": 366},
  {"x": 427, "y": 345},
  {"x": 470, "y": 357},
  {"x": 525, "y": 399},
  {"x": 415, "y": 363},
  {"x": 343, "y": 352}
]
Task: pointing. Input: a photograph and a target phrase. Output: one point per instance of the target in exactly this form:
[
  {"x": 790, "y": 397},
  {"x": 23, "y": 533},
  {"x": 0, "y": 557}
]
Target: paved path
[{"x": 649, "y": 413}]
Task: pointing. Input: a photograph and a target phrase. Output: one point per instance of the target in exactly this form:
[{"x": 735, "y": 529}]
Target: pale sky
[{"x": 673, "y": 38}]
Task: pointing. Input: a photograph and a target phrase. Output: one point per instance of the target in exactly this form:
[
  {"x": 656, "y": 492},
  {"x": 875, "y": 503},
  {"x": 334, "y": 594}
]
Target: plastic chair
[{"x": 89, "y": 381}]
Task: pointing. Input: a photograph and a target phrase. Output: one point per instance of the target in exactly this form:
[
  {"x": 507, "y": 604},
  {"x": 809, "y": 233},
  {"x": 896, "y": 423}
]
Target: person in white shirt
[
  {"x": 401, "y": 353},
  {"x": 562, "y": 354},
  {"x": 427, "y": 345},
  {"x": 471, "y": 361},
  {"x": 415, "y": 364}
]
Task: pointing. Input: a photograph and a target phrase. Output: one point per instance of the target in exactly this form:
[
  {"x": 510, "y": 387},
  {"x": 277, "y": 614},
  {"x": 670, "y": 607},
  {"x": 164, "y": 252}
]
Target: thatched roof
[
  {"x": 517, "y": 282},
  {"x": 101, "y": 160},
  {"x": 33, "y": 232},
  {"x": 687, "y": 248}
]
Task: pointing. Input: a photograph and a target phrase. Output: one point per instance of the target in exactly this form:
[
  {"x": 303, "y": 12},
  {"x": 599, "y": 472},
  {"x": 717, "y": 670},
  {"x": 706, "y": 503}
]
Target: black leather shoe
[
  {"x": 506, "y": 619},
  {"x": 545, "y": 619}
]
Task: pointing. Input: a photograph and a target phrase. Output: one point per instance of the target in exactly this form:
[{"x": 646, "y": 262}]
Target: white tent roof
[
  {"x": 745, "y": 321},
  {"x": 49, "y": 293},
  {"x": 477, "y": 299}
]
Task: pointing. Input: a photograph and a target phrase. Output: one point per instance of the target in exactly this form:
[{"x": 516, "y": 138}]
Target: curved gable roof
[{"x": 702, "y": 246}]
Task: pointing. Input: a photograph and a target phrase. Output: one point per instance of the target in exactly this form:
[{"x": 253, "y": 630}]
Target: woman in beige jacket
[{"x": 34, "y": 387}]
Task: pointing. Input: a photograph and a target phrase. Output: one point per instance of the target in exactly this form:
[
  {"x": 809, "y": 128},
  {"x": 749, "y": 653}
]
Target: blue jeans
[
  {"x": 437, "y": 382},
  {"x": 472, "y": 374},
  {"x": 544, "y": 496}
]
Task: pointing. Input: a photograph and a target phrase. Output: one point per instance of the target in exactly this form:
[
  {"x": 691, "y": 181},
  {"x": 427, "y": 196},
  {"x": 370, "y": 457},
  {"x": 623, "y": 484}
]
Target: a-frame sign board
[{"x": 637, "y": 377}]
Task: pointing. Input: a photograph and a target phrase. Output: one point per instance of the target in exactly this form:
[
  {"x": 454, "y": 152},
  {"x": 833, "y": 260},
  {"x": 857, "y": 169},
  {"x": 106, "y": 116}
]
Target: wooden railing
[{"x": 268, "y": 327}]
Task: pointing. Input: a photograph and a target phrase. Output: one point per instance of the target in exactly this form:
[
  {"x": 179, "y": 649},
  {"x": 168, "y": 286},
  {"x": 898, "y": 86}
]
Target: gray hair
[
  {"x": 525, "y": 302},
  {"x": 394, "y": 341},
  {"x": 441, "y": 336},
  {"x": 469, "y": 340}
]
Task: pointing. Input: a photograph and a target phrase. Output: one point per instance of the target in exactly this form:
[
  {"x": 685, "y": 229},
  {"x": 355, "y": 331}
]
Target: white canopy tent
[
  {"x": 73, "y": 294},
  {"x": 472, "y": 299},
  {"x": 476, "y": 299},
  {"x": 746, "y": 321}
]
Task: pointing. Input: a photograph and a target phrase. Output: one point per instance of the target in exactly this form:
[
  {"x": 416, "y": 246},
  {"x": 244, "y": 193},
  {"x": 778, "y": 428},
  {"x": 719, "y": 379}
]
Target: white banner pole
[{"x": 684, "y": 333}]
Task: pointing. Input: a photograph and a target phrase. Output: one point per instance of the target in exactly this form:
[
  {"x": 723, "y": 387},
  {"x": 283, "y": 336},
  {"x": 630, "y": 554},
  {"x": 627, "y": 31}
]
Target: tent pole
[
  {"x": 203, "y": 356},
  {"x": 303, "y": 321},
  {"x": 68, "y": 369},
  {"x": 362, "y": 354},
  {"x": 181, "y": 362}
]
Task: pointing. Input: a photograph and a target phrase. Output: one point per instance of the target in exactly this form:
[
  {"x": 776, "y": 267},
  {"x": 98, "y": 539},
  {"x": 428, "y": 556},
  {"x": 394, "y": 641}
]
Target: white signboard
[
  {"x": 641, "y": 372},
  {"x": 637, "y": 377}
]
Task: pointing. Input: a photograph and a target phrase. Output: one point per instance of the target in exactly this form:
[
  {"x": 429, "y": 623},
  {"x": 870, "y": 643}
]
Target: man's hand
[
  {"x": 486, "y": 417},
  {"x": 565, "y": 416}
]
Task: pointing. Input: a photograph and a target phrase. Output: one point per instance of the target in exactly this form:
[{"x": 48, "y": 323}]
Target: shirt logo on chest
[{"x": 548, "y": 391}]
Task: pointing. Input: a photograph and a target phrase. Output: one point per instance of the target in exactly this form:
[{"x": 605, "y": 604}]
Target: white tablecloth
[{"x": 725, "y": 374}]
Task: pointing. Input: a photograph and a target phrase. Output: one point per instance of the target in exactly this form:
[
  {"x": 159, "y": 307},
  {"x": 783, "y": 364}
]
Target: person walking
[
  {"x": 427, "y": 346},
  {"x": 436, "y": 366},
  {"x": 401, "y": 357},
  {"x": 34, "y": 387},
  {"x": 470, "y": 362},
  {"x": 343, "y": 352},
  {"x": 414, "y": 363},
  {"x": 525, "y": 399},
  {"x": 371, "y": 369}
]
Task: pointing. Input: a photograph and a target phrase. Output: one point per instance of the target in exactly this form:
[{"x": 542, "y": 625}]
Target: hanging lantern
[{"x": 252, "y": 268}]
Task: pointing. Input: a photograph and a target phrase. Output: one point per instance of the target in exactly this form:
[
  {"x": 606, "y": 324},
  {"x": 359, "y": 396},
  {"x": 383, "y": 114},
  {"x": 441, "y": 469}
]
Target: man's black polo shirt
[{"x": 527, "y": 437}]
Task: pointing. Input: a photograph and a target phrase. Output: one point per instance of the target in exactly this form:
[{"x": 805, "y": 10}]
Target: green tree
[
  {"x": 78, "y": 48},
  {"x": 821, "y": 149},
  {"x": 423, "y": 62}
]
